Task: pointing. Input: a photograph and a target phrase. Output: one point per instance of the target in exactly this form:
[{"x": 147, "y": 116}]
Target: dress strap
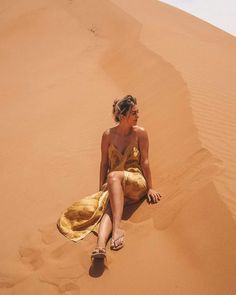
[{"x": 136, "y": 139}]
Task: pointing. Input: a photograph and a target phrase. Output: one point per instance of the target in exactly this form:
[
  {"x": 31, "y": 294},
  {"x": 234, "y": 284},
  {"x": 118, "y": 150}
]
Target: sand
[{"x": 62, "y": 64}]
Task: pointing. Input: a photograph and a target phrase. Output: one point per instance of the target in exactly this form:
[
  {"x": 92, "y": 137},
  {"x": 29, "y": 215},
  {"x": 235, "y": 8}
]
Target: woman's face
[{"x": 132, "y": 116}]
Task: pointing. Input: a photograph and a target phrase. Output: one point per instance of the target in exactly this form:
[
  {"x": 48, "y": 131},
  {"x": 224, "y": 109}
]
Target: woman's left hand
[{"x": 153, "y": 196}]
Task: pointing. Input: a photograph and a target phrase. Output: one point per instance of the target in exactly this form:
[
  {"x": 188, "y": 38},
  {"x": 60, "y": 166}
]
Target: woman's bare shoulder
[
  {"x": 108, "y": 131},
  {"x": 140, "y": 131},
  {"x": 106, "y": 135}
]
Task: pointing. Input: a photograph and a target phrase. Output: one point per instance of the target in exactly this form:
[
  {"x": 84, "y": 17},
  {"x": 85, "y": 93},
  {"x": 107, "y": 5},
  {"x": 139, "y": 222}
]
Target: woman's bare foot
[{"x": 117, "y": 240}]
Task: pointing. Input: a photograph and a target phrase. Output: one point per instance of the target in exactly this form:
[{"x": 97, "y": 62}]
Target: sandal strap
[{"x": 97, "y": 250}]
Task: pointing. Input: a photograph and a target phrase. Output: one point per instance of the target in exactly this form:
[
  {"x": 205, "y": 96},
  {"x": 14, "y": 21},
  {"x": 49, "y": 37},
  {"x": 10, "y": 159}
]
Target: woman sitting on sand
[{"x": 124, "y": 172}]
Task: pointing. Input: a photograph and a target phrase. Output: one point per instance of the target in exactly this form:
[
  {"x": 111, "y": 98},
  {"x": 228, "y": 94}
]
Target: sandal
[
  {"x": 99, "y": 253},
  {"x": 117, "y": 243}
]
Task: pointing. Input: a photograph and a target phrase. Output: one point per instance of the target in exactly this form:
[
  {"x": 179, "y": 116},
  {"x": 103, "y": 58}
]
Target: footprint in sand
[
  {"x": 11, "y": 274},
  {"x": 49, "y": 234},
  {"x": 31, "y": 257}
]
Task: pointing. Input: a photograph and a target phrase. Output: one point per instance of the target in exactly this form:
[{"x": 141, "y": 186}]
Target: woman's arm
[
  {"x": 144, "y": 161},
  {"x": 104, "y": 165}
]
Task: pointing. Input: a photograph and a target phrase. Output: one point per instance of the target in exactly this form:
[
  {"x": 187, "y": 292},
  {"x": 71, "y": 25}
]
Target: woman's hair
[{"x": 122, "y": 106}]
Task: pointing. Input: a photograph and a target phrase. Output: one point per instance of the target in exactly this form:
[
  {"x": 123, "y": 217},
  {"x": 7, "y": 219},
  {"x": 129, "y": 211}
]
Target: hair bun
[{"x": 122, "y": 106}]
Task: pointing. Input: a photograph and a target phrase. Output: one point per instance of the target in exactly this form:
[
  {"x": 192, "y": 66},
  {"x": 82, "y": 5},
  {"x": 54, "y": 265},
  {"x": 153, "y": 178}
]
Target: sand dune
[{"x": 62, "y": 64}]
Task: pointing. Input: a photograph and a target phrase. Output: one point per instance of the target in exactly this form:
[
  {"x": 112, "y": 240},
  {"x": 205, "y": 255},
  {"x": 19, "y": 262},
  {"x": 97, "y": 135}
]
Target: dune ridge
[{"x": 64, "y": 57}]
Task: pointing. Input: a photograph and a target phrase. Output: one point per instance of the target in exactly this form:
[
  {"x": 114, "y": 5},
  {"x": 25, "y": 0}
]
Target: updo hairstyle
[{"x": 122, "y": 106}]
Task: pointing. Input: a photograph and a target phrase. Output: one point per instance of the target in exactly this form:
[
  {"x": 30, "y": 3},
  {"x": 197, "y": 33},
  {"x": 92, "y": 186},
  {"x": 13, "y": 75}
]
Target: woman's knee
[{"x": 115, "y": 176}]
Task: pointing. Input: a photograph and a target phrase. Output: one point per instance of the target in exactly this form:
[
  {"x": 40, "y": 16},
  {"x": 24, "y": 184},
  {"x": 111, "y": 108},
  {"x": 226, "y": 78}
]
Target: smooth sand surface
[{"x": 62, "y": 64}]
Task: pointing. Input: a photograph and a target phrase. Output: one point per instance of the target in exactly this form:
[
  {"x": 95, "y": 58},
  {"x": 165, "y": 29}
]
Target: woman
[
  {"x": 124, "y": 172},
  {"x": 125, "y": 178}
]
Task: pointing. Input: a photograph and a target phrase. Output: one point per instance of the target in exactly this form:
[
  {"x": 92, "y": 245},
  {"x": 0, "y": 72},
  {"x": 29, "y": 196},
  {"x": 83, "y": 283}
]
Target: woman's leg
[
  {"x": 105, "y": 228},
  {"x": 116, "y": 197},
  {"x": 111, "y": 219}
]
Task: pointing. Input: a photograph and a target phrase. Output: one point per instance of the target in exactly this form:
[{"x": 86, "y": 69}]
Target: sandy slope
[{"x": 62, "y": 64}]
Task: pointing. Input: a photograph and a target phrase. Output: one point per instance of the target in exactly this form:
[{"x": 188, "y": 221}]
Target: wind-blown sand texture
[{"x": 62, "y": 64}]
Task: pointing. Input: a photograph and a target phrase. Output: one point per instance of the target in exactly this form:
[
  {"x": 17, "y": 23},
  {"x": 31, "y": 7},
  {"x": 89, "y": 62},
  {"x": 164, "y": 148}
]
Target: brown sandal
[
  {"x": 99, "y": 253},
  {"x": 117, "y": 243}
]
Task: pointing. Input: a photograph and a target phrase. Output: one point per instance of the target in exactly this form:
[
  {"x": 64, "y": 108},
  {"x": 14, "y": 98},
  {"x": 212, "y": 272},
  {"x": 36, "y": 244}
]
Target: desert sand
[{"x": 62, "y": 65}]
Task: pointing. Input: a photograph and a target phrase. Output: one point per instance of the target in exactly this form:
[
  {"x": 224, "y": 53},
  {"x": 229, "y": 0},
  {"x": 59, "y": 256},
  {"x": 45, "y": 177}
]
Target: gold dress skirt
[{"x": 84, "y": 216}]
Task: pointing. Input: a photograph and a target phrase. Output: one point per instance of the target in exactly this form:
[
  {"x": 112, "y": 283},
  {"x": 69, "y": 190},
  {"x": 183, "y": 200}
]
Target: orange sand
[{"x": 62, "y": 64}]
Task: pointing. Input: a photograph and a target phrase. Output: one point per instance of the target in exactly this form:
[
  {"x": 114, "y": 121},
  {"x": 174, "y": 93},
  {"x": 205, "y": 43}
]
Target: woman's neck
[{"x": 124, "y": 130}]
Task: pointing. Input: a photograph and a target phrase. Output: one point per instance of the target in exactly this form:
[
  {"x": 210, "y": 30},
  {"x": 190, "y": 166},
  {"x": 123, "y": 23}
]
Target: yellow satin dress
[{"x": 84, "y": 216}]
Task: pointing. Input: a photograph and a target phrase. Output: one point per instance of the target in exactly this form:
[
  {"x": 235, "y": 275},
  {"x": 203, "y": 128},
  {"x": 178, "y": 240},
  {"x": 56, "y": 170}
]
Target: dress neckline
[{"x": 125, "y": 150}]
